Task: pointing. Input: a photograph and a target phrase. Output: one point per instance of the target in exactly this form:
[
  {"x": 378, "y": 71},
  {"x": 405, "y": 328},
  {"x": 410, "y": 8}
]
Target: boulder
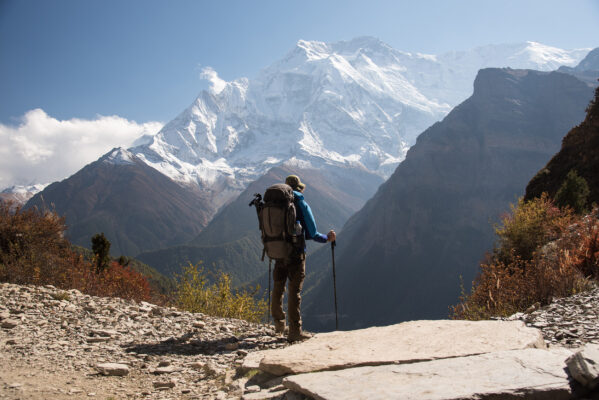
[
  {"x": 407, "y": 342},
  {"x": 528, "y": 373},
  {"x": 584, "y": 366}
]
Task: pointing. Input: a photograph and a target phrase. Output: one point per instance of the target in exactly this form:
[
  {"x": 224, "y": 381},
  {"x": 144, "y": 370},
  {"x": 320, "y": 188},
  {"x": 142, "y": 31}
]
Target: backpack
[{"x": 281, "y": 234}]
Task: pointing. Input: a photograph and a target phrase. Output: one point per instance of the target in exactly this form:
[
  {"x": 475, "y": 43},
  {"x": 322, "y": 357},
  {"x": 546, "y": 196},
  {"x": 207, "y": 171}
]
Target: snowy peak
[
  {"x": 118, "y": 156},
  {"x": 357, "y": 103},
  {"x": 21, "y": 193},
  {"x": 549, "y": 58},
  {"x": 25, "y": 189},
  {"x": 315, "y": 50},
  {"x": 312, "y": 51}
]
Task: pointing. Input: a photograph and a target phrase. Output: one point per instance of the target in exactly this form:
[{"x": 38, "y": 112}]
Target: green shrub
[
  {"x": 573, "y": 193},
  {"x": 195, "y": 294},
  {"x": 101, "y": 250}
]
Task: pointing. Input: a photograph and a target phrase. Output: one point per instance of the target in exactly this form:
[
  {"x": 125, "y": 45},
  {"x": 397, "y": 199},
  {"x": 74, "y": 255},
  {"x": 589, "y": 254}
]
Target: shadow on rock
[{"x": 188, "y": 344}]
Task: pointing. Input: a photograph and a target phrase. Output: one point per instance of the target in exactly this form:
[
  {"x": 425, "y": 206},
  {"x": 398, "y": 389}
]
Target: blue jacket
[{"x": 306, "y": 219}]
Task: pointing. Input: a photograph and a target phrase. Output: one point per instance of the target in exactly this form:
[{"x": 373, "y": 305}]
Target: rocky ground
[
  {"x": 57, "y": 344},
  {"x": 568, "y": 322}
]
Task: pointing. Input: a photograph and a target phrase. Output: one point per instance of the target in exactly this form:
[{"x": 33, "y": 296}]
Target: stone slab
[
  {"x": 407, "y": 342},
  {"x": 584, "y": 366},
  {"x": 528, "y": 373},
  {"x": 252, "y": 361}
]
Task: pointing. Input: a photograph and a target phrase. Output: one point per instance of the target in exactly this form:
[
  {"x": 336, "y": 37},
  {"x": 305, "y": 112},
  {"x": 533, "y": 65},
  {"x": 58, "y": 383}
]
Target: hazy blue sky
[{"x": 141, "y": 60}]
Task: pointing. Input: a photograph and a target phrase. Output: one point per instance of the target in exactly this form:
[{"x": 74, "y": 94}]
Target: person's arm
[{"x": 310, "y": 223}]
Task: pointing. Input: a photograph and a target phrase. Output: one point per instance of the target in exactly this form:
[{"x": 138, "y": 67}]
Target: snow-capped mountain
[
  {"x": 21, "y": 193},
  {"x": 357, "y": 103}
]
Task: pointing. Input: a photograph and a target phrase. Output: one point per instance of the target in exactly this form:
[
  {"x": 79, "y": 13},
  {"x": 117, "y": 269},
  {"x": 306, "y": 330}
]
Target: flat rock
[
  {"x": 252, "y": 360},
  {"x": 104, "y": 332},
  {"x": 584, "y": 366},
  {"x": 407, "y": 342},
  {"x": 166, "y": 370},
  {"x": 97, "y": 339},
  {"x": 528, "y": 373},
  {"x": 164, "y": 384},
  {"x": 9, "y": 323},
  {"x": 113, "y": 369}
]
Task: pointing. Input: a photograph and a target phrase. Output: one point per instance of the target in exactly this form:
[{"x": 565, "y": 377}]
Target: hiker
[{"x": 293, "y": 268}]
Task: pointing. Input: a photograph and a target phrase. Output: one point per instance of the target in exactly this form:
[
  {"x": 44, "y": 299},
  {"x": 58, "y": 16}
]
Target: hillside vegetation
[
  {"x": 579, "y": 152},
  {"x": 542, "y": 252},
  {"x": 33, "y": 250}
]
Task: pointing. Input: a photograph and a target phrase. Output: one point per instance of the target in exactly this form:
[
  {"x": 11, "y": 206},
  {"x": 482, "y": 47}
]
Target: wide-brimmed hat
[{"x": 294, "y": 182}]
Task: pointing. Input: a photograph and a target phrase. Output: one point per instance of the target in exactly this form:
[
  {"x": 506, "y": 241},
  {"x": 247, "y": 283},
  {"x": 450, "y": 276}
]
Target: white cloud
[
  {"x": 210, "y": 75},
  {"x": 42, "y": 149}
]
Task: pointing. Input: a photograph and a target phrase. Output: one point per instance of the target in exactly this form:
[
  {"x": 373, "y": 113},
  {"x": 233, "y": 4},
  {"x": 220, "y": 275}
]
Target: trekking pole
[
  {"x": 333, "y": 244},
  {"x": 269, "y": 266}
]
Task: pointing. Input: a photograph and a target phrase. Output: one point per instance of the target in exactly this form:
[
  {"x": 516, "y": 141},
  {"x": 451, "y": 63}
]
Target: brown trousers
[{"x": 294, "y": 269}]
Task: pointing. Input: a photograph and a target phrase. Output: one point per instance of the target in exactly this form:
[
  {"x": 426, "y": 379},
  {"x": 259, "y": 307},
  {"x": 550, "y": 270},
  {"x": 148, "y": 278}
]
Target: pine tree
[
  {"x": 573, "y": 192},
  {"x": 101, "y": 250}
]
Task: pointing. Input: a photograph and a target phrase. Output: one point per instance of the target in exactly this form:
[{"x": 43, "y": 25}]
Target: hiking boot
[
  {"x": 280, "y": 327},
  {"x": 298, "y": 336}
]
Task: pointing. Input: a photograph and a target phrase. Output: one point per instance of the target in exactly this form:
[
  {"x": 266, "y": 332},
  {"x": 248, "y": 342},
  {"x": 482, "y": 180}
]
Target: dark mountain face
[
  {"x": 401, "y": 256},
  {"x": 580, "y": 151},
  {"x": 231, "y": 242},
  {"x": 136, "y": 207}
]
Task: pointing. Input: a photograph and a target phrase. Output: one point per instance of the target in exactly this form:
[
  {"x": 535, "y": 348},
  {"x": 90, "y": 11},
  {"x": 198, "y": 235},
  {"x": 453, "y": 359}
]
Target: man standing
[{"x": 293, "y": 268}]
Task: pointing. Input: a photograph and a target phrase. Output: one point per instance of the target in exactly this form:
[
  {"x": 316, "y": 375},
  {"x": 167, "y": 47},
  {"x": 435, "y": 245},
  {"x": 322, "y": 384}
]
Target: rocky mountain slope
[
  {"x": 136, "y": 207},
  {"x": 401, "y": 257},
  {"x": 579, "y": 152}
]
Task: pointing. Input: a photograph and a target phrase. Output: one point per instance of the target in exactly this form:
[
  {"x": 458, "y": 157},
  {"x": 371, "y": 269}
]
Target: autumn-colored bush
[
  {"x": 582, "y": 245},
  {"x": 529, "y": 225},
  {"x": 542, "y": 252},
  {"x": 195, "y": 294},
  {"x": 114, "y": 281},
  {"x": 33, "y": 250}
]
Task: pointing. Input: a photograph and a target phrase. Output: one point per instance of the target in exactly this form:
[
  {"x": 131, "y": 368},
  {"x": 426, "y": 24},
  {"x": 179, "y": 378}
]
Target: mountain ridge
[
  {"x": 137, "y": 207},
  {"x": 460, "y": 175}
]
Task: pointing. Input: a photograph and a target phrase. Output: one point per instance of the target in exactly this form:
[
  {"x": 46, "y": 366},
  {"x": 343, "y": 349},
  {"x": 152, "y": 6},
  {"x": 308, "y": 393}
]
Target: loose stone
[
  {"x": 113, "y": 369},
  {"x": 9, "y": 323},
  {"x": 161, "y": 384}
]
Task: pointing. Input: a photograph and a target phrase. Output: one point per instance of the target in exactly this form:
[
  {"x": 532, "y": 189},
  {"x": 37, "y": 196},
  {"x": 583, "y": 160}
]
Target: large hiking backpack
[{"x": 277, "y": 218}]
